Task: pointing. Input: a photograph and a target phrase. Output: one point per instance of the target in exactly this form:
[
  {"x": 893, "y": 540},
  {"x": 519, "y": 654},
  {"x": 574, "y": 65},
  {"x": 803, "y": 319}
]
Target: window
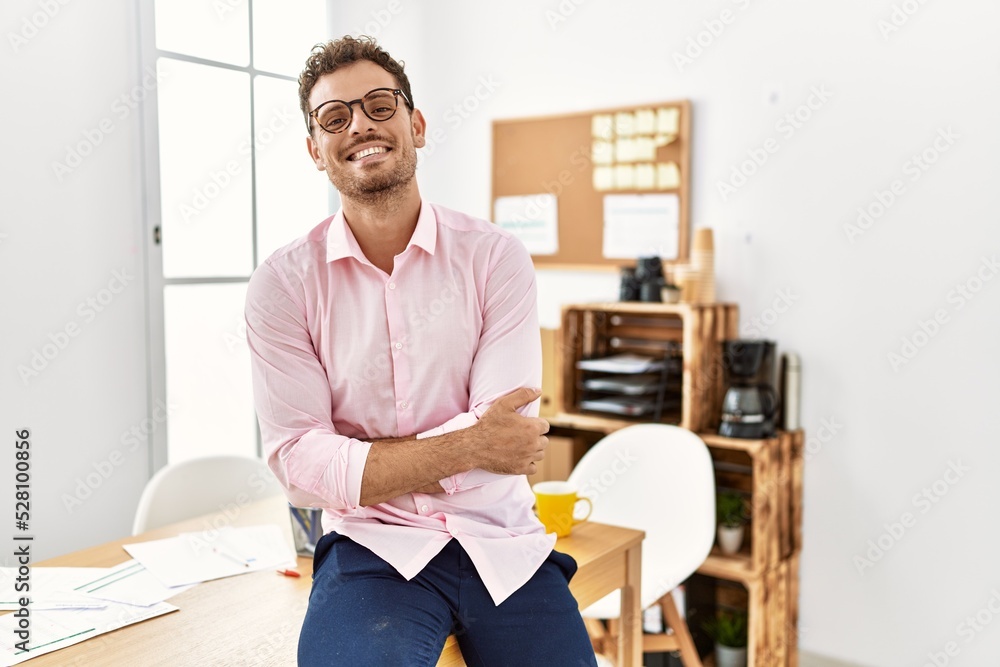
[{"x": 228, "y": 182}]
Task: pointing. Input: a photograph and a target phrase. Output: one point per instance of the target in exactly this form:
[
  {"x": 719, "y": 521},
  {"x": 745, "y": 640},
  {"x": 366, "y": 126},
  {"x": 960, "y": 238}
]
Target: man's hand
[
  {"x": 501, "y": 442},
  {"x": 508, "y": 443}
]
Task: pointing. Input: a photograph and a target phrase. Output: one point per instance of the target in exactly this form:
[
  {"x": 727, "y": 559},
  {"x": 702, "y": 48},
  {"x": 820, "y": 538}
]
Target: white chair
[
  {"x": 199, "y": 486},
  {"x": 659, "y": 479}
]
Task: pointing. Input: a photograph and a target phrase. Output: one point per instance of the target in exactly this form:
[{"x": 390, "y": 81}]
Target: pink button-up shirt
[{"x": 343, "y": 353}]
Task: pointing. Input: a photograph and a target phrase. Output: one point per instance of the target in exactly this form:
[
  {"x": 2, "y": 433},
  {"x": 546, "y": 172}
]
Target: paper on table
[
  {"x": 51, "y": 588},
  {"x": 59, "y": 628},
  {"x": 130, "y": 583},
  {"x": 191, "y": 558}
]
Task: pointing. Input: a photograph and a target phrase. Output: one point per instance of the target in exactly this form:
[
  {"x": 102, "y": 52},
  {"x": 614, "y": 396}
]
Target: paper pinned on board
[
  {"x": 641, "y": 226},
  {"x": 602, "y": 126},
  {"x": 668, "y": 120},
  {"x": 668, "y": 176},
  {"x": 533, "y": 219}
]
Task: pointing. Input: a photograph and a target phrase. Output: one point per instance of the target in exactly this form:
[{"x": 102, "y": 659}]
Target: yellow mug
[{"x": 555, "y": 502}]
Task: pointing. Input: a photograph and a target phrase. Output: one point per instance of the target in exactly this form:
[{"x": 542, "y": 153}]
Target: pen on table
[
  {"x": 242, "y": 561},
  {"x": 289, "y": 573}
]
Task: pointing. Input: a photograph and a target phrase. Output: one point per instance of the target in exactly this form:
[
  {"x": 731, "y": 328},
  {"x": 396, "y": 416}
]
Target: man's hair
[{"x": 326, "y": 58}]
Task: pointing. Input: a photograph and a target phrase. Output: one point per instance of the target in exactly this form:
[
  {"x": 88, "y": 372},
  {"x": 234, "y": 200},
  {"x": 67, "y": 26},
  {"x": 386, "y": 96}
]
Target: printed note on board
[
  {"x": 641, "y": 226},
  {"x": 533, "y": 219}
]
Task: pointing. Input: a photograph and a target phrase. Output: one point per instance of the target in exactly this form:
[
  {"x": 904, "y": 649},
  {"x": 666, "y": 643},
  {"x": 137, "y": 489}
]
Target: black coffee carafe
[{"x": 750, "y": 405}]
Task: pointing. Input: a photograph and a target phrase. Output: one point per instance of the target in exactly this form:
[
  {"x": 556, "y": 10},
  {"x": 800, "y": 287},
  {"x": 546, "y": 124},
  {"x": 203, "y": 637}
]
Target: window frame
[{"x": 152, "y": 222}]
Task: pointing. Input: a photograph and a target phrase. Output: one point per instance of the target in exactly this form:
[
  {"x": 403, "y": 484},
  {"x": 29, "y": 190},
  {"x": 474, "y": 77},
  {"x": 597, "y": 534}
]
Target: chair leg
[
  {"x": 598, "y": 635},
  {"x": 689, "y": 654}
]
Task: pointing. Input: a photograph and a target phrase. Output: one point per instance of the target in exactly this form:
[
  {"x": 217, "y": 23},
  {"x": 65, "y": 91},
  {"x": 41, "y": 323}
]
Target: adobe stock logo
[
  {"x": 131, "y": 440},
  {"x": 787, "y": 126},
  {"x": 923, "y": 500},
  {"x": 900, "y": 16},
  {"x": 381, "y": 18},
  {"x": 92, "y": 137},
  {"x": 595, "y": 486},
  {"x": 565, "y": 9},
  {"x": 927, "y": 329},
  {"x": 714, "y": 28},
  {"x": 88, "y": 310},
  {"x": 915, "y": 167},
  {"x": 30, "y": 26},
  {"x": 757, "y": 326}
]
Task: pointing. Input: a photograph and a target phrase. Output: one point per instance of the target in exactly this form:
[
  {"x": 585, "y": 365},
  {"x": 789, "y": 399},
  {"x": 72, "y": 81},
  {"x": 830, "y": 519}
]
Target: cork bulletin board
[{"x": 582, "y": 158}]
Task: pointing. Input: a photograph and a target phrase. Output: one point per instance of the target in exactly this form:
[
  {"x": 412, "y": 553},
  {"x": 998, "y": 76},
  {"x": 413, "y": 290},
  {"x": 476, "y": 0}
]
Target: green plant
[
  {"x": 730, "y": 509},
  {"x": 728, "y": 629}
]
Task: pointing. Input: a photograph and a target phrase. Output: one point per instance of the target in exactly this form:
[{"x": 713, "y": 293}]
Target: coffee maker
[{"x": 750, "y": 406}]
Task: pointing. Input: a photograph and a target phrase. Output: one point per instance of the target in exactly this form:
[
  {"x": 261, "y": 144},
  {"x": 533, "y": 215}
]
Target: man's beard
[{"x": 377, "y": 188}]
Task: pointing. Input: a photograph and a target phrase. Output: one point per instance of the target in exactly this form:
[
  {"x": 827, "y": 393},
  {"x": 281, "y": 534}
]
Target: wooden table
[{"x": 254, "y": 619}]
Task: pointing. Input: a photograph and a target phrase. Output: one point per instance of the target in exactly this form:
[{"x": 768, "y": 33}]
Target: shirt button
[
  {"x": 399, "y": 346},
  {"x": 423, "y": 508},
  {"x": 404, "y": 404},
  {"x": 392, "y": 285}
]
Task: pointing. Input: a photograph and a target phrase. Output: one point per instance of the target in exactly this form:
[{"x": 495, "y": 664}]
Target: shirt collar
[{"x": 340, "y": 241}]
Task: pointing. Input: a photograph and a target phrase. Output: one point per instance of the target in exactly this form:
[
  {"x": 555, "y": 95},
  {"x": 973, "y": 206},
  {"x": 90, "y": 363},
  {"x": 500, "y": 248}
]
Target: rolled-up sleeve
[
  {"x": 317, "y": 466},
  {"x": 509, "y": 355}
]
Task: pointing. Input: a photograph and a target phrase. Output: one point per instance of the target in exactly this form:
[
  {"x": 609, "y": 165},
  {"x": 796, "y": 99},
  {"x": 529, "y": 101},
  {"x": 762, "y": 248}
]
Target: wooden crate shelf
[
  {"x": 769, "y": 473},
  {"x": 732, "y": 568},
  {"x": 771, "y": 602},
  {"x": 592, "y": 423},
  {"x": 767, "y": 567},
  {"x": 589, "y": 330}
]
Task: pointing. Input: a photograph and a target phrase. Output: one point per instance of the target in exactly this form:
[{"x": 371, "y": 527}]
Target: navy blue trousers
[{"x": 362, "y": 613}]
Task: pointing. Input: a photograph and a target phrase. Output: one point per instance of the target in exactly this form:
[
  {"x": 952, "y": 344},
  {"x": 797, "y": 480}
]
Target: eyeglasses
[{"x": 380, "y": 105}]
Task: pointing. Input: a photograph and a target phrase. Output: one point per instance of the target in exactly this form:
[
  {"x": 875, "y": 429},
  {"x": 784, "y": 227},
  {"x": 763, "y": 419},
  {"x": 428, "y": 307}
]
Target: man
[{"x": 394, "y": 351}]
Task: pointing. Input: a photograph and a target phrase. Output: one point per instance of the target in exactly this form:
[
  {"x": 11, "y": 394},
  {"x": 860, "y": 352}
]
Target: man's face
[{"x": 391, "y": 168}]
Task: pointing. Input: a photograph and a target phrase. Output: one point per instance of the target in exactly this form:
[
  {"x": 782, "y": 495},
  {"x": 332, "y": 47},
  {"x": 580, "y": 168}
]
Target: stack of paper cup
[
  {"x": 688, "y": 278},
  {"x": 703, "y": 261}
]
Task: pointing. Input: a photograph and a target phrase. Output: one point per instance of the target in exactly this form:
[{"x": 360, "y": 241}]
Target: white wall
[
  {"x": 64, "y": 236},
  {"x": 895, "y": 431}
]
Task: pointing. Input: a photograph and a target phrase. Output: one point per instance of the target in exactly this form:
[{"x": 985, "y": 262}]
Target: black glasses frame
[{"x": 314, "y": 114}]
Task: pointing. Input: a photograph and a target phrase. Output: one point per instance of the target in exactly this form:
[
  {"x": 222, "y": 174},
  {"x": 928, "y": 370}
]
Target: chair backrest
[
  {"x": 200, "y": 486},
  {"x": 657, "y": 478}
]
